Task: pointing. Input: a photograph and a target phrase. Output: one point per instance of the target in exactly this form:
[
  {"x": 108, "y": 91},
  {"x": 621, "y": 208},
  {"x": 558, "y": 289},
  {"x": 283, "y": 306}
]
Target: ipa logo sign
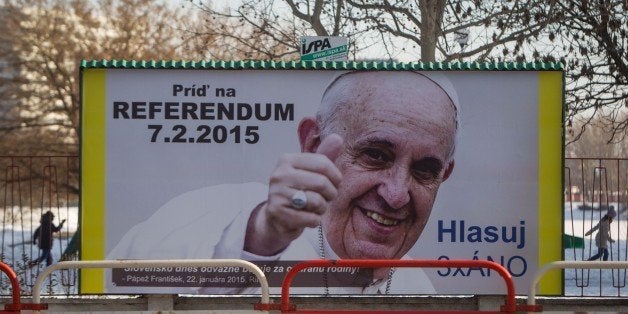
[{"x": 315, "y": 48}]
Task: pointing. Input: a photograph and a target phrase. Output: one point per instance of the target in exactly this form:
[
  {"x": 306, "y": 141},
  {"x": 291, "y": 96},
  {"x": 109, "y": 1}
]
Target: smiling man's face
[{"x": 398, "y": 131}]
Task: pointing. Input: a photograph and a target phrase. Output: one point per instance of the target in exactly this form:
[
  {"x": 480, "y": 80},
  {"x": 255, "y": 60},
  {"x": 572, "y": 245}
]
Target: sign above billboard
[{"x": 324, "y": 48}]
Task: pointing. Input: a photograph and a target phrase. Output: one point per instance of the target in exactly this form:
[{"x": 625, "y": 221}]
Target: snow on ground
[
  {"x": 16, "y": 241},
  {"x": 25, "y": 218},
  {"x": 17, "y": 226},
  {"x": 578, "y": 222}
]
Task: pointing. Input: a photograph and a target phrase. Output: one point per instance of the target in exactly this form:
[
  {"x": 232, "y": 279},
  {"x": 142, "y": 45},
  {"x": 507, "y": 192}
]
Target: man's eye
[
  {"x": 374, "y": 158},
  {"x": 375, "y": 155},
  {"x": 427, "y": 169},
  {"x": 423, "y": 176}
]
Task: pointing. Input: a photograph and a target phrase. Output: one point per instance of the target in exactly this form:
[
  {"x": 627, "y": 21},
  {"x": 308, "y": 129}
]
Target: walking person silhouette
[
  {"x": 43, "y": 238},
  {"x": 603, "y": 236}
]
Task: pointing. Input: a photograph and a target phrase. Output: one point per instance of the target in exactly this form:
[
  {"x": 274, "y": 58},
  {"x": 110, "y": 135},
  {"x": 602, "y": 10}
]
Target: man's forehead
[
  {"x": 412, "y": 96},
  {"x": 383, "y": 78},
  {"x": 402, "y": 85},
  {"x": 358, "y": 101}
]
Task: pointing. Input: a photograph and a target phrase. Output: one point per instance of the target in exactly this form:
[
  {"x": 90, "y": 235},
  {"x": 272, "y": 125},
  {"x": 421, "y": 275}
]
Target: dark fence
[
  {"x": 595, "y": 187},
  {"x": 31, "y": 186}
]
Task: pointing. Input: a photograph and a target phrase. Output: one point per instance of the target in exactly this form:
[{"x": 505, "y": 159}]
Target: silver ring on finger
[{"x": 299, "y": 199}]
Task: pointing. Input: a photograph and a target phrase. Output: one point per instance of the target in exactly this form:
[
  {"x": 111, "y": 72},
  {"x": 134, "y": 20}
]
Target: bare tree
[
  {"x": 433, "y": 26},
  {"x": 425, "y": 29},
  {"x": 588, "y": 37},
  {"x": 588, "y": 144},
  {"x": 593, "y": 39},
  {"x": 41, "y": 45},
  {"x": 592, "y": 164},
  {"x": 240, "y": 35}
]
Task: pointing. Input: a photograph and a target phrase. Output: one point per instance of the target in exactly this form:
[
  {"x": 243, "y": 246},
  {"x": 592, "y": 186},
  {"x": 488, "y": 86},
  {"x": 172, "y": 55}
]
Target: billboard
[{"x": 283, "y": 163}]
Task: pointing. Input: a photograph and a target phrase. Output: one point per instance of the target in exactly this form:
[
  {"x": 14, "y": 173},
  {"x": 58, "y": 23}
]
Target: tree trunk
[{"x": 431, "y": 19}]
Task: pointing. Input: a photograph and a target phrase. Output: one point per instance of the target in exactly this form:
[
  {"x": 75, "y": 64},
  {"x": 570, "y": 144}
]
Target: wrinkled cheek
[
  {"x": 423, "y": 209},
  {"x": 338, "y": 211},
  {"x": 423, "y": 216},
  {"x": 337, "y": 222},
  {"x": 403, "y": 247},
  {"x": 412, "y": 234}
]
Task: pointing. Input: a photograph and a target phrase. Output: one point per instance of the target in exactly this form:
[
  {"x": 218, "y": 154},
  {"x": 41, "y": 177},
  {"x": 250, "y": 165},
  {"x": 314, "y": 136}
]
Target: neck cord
[{"x": 321, "y": 244}]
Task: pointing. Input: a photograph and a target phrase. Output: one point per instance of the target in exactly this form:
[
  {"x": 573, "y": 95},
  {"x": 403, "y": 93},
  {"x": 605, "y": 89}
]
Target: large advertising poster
[{"x": 277, "y": 166}]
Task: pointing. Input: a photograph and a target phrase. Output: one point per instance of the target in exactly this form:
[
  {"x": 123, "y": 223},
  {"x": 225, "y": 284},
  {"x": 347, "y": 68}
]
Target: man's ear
[
  {"x": 449, "y": 170},
  {"x": 309, "y": 134}
]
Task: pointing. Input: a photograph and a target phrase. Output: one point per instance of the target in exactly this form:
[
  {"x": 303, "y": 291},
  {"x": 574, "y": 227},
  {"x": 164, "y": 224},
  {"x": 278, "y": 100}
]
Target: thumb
[{"x": 331, "y": 146}]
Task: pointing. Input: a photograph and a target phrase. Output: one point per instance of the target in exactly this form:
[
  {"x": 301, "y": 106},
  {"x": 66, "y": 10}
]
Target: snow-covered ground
[
  {"x": 577, "y": 221},
  {"x": 17, "y": 250},
  {"x": 587, "y": 282},
  {"x": 17, "y": 227}
]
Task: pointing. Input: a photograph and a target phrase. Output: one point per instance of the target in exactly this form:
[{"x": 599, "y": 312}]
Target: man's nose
[{"x": 394, "y": 187}]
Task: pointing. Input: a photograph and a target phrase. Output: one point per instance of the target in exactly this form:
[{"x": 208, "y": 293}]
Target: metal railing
[
  {"x": 287, "y": 307},
  {"x": 593, "y": 188},
  {"x": 29, "y": 187},
  {"x": 566, "y": 265},
  {"x": 15, "y": 286},
  {"x": 32, "y": 185},
  {"x": 265, "y": 297},
  {"x": 16, "y": 305}
]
